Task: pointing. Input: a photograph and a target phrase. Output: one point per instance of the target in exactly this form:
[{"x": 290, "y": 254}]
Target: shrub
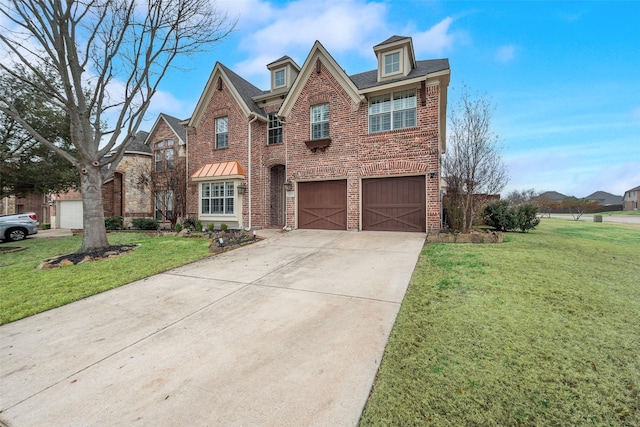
[
  {"x": 526, "y": 217},
  {"x": 504, "y": 217},
  {"x": 145, "y": 224},
  {"x": 223, "y": 227},
  {"x": 211, "y": 226},
  {"x": 500, "y": 215},
  {"x": 178, "y": 227},
  {"x": 198, "y": 226},
  {"x": 45, "y": 226},
  {"x": 113, "y": 223}
]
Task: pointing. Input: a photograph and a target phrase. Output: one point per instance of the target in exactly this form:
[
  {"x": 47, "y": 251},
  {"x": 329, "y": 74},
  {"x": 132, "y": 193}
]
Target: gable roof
[
  {"x": 552, "y": 195},
  {"x": 318, "y": 52},
  {"x": 632, "y": 189},
  {"x": 604, "y": 198},
  {"x": 174, "y": 123},
  {"x": 240, "y": 89},
  {"x": 392, "y": 40}
]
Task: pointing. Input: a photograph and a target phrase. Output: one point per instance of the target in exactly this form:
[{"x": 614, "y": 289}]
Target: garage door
[
  {"x": 70, "y": 214},
  {"x": 394, "y": 204},
  {"x": 322, "y": 205}
]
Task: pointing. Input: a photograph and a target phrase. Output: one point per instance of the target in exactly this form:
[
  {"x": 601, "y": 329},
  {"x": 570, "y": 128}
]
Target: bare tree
[
  {"x": 110, "y": 56},
  {"x": 517, "y": 197},
  {"x": 472, "y": 165},
  {"x": 175, "y": 181}
]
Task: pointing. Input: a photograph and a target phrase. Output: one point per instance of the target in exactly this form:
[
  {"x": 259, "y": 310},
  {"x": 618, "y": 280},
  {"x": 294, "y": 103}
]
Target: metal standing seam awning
[{"x": 221, "y": 170}]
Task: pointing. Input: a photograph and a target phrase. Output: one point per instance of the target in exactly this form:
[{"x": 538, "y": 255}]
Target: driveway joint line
[{"x": 327, "y": 293}]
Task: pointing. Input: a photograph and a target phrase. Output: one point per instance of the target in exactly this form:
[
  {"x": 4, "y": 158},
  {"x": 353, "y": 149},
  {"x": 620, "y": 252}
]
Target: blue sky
[{"x": 564, "y": 76}]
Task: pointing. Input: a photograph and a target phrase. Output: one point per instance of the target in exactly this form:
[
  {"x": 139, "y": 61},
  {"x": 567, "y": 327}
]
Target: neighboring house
[
  {"x": 553, "y": 196},
  {"x": 322, "y": 149},
  {"x": 167, "y": 140},
  {"x": 607, "y": 201},
  {"x": 630, "y": 199},
  {"x": 125, "y": 190},
  {"x": 38, "y": 203}
]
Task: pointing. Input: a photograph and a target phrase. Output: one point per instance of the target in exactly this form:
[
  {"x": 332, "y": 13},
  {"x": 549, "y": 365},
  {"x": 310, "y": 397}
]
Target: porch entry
[{"x": 276, "y": 196}]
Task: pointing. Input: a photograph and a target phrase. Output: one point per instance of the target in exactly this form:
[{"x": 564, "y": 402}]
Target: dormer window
[
  {"x": 392, "y": 63},
  {"x": 279, "y": 78}
]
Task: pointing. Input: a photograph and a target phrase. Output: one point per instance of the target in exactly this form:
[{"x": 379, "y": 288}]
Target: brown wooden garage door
[
  {"x": 322, "y": 205},
  {"x": 394, "y": 204}
]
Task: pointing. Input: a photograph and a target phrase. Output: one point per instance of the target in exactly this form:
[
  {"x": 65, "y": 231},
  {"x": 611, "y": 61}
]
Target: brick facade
[{"x": 353, "y": 154}]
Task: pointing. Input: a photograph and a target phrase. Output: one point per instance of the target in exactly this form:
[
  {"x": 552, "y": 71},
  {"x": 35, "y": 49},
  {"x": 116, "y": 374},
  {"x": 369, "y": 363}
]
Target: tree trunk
[{"x": 95, "y": 235}]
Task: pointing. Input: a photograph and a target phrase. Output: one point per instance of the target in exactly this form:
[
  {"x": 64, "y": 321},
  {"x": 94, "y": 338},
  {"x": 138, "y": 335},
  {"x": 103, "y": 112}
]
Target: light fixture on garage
[
  {"x": 432, "y": 175},
  {"x": 287, "y": 185},
  {"x": 241, "y": 188}
]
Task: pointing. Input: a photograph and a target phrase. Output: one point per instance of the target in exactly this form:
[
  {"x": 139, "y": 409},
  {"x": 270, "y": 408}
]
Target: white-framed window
[
  {"x": 391, "y": 63},
  {"x": 275, "y": 130},
  {"x": 217, "y": 198},
  {"x": 222, "y": 132},
  {"x": 320, "y": 121},
  {"x": 279, "y": 78},
  {"x": 392, "y": 111},
  {"x": 163, "y": 155},
  {"x": 163, "y": 205}
]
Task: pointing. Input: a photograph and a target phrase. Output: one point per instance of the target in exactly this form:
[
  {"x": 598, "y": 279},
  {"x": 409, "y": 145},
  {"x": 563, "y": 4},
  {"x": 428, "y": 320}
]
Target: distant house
[
  {"x": 607, "y": 201},
  {"x": 630, "y": 199},
  {"x": 552, "y": 196}
]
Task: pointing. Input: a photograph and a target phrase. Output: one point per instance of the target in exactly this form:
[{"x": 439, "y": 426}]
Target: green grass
[
  {"x": 542, "y": 330},
  {"x": 25, "y": 290}
]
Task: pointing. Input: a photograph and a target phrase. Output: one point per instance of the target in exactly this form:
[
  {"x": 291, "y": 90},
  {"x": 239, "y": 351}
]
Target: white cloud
[
  {"x": 506, "y": 53},
  {"x": 436, "y": 40}
]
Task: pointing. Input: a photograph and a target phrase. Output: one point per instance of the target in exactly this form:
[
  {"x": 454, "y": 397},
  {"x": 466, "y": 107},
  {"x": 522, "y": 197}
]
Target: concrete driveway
[{"x": 287, "y": 331}]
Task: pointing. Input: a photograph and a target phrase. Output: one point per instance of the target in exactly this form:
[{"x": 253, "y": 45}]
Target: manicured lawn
[
  {"x": 25, "y": 290},
  {"x": 542, "y": 330}
]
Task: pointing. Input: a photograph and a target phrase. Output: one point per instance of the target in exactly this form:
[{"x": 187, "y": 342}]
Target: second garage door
[
  {"x": 322, "y": 205},
  {"x": 394, "y": 204},
  {"x": 70, "y": 214}
]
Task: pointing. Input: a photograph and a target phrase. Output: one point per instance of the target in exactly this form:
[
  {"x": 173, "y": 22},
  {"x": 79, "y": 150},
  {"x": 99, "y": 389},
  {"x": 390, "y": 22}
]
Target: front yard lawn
[
  {"x": 542, "y": 330},
  {"x": 25, "y": 290}
]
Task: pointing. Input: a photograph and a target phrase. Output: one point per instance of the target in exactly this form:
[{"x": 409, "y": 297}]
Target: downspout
[{"x": 254, "y": 118}]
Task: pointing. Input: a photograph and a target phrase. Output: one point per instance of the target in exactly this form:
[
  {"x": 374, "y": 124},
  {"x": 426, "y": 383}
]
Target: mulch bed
[
  {"x": 77, "y": 258},
  {"x": 8, "y": 249}
]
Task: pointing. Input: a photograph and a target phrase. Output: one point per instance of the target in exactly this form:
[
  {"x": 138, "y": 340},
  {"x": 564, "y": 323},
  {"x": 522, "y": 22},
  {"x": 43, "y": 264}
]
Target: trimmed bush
[
  {"x": 526, "y": 217},
  {"x": 178, "y": 227},
  {"x": 45, "y": 226},
  {"x": 223, "y": 227},
  {"x": 144, "y": 224},
  {"x": 500, "y": 215},
  {"x": 198, "y": 226},
  {"x": 113, "y": 223},
  {"x": 503, "y": 217}
]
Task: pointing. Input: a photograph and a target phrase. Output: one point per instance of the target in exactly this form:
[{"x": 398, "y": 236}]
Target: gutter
[{"x": 254, "y": 117}]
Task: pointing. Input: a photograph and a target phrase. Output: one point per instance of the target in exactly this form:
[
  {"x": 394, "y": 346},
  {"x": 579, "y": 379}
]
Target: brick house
[
  {"x": 124, "y": 190},
  {"x": 167, "y": 172},
  {"x": 322, "y": 149},
  {"x": 630, "y": 199}
]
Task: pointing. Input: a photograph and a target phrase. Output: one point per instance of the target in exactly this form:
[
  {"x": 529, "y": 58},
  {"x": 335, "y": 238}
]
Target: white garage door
[{"x": 70, "y": 214}]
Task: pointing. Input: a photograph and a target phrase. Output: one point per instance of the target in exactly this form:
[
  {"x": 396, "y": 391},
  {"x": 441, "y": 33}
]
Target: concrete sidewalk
[{"x": 287, "y": 331}]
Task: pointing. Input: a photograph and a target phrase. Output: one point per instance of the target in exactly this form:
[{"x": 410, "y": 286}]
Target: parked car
[{"x": 17, "y": 227}]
